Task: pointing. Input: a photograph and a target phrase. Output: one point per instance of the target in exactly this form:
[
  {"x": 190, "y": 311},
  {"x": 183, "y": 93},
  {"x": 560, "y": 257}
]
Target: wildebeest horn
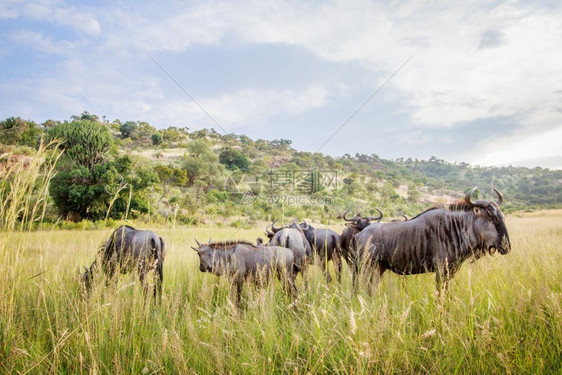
[
  {"x": 198, "y": 244},
  {"x": 275, "y": 230},
  {"x": 500, "y": 197},
  {"x": 306, "y": 226},
  {"x": 86, "y": 269},
  {"x": 376, "y": 217},
  {"x": 210, "y": 239},
  {"x": 404, "y": 216},
  {"x": 467, "y": 198},
  {"x": 354, "y": 218},
  {"x": 268, "y": 232}
]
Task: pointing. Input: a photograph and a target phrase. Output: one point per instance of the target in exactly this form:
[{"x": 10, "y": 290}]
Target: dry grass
[{"x": 503, "y": 315}]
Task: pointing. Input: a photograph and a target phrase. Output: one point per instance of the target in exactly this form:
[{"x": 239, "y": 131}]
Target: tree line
[{"x": 131, "y": 170}]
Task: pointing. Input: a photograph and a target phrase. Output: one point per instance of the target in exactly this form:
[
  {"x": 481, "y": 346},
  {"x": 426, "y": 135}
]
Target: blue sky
[{"x": 484, "y": 84}]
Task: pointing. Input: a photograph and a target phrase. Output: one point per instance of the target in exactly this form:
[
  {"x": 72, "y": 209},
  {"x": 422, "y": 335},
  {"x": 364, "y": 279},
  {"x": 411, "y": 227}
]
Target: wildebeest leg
[
  {"x": 325, "y": 270},
  {"x": 302, "y": 270},
  {"x": 109, "y": 270},
  {"x": 375, "y": 276},
  {"x": 442, "y": 280},
  {"x": 144, "y": 284},
  {"x": 292, "y": 286},
  {"x": 337, "y": 265},
  {"x": 443, "y": 276},
  {"x": 237, "y": 288},
  {"x": 287, "y": 277},
  {"x": 354, "y": 276},
  {"x": 158, "y": 280},
  {"x": 142, "y": 269}
]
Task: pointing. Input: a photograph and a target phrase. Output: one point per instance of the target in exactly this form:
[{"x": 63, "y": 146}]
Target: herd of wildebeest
[{"x": 437, "y": 240}]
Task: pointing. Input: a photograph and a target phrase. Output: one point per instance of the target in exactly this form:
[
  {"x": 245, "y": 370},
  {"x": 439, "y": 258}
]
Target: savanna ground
[{"x": 503, "y": 313}]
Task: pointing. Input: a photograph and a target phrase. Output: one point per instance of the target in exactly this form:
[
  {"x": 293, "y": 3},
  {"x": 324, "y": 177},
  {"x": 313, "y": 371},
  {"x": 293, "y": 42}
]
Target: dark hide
[
  {"x": 244, "y": 261},
  {"x": 325, "y": 244},
  {"x": 437, "y": 240},
  {"x": 128, "y": 250},
  {"x": 348, "y": 245}
]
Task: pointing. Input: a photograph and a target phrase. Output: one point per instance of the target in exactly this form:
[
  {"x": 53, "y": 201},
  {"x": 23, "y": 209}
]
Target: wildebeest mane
[
  {"x": 453, "y": 207},
  {"x": 225, "y": 245}
]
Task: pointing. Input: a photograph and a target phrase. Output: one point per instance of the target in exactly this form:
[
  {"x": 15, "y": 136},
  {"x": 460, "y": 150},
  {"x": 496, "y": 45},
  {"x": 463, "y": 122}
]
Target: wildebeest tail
[
  {"x": 289, "y": 244},
  {"x": 338, "y": 245},
  {"x": 159, "y": 249}
]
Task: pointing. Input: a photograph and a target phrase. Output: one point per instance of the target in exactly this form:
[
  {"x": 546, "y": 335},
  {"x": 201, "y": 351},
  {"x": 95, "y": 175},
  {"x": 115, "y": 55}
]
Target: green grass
[{"x": 503, "y": 314}]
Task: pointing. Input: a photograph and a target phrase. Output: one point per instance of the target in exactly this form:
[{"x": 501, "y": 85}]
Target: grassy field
[{"x": 503, "y": 314}]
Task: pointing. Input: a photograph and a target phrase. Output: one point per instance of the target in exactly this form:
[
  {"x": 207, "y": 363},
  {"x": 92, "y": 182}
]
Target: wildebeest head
[
  {"x": 270, "y": 230},
  {"x": 489, "y": 222},
  {"x": 86, "y": 279},
  {"x": 359, "y": 222},
  {"x": 206, "y": 257}
]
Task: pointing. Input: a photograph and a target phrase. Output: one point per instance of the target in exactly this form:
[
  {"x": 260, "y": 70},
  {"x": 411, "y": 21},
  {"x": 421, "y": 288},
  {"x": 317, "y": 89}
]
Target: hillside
[{"x": 181, "y": 176}]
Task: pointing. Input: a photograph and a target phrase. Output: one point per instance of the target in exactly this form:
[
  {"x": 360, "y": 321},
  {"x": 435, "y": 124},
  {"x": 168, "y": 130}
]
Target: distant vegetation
[{"x": 117, "y": 170}]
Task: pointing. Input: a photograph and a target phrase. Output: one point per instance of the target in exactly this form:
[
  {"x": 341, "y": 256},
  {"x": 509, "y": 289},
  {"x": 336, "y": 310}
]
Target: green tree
[
  {"x": 233, "y": 159},
  {"x": 172, "y": 134},
  {"x": 85, "y": 142},
  {"x": 79, "y": 193},
  {"x": 199, "y": 148},
  {"x": 144, "y": 132},
  {"x": 156, "y": 139},
  {"x": 128, "y": 128},
  {"x": 88, "y": 185},
  {"x": 15, "y": 131},
  {"x": 85, "y": 116}
]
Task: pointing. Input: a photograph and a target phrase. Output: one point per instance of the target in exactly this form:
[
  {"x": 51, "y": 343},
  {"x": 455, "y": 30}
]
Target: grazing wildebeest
[
  {"x": 326, "y": 244},
  {"x": 354, "y": 225},
  {"x": 127, "y": 249},
  {"x": 243, "y": 261},
  {"x": 291, "y": 237},
  {"x": 438, "y": 240}
]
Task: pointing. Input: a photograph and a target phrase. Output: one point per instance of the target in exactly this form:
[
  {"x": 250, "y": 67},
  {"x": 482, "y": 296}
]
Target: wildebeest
[
  {"x": 243, "y": 260},
  {"x": 325, "y": 243},
  {"x": 438, "y": 240},
  {"x": 126, "y": 250},
  {"x": 291, "y": 237},
  {"x": 354, "y": 225}
]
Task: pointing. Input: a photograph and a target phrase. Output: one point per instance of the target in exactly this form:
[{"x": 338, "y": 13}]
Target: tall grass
[
  {"x": 503, "y": 314},
  {"x": 24, "y": 186}
]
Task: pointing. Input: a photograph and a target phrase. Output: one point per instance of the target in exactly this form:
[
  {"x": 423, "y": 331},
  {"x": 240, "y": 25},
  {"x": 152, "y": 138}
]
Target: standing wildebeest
[
  {"x": 437, "y": 240},
  {"x": 126, "y": 250},
  {"x": 326, "y": 244},
  {"x": 354, "y": 225},
  {"x": 244, "y": 260},
  {"x": 291, "y": 237}
]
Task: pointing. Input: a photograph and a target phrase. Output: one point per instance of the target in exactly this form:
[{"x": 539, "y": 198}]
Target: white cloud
[
  {"x": 515, "y": 148},
  {"x": 68, "y": 16},
  {"x": 252, "y": 107},
  {"x": 40, "y": 42},
  {"x": 474, "y": 60},
  {"x": 450, "y": 80},
  {"x": 7, "y": 10},
  {"x": 246, "y": 108}
]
